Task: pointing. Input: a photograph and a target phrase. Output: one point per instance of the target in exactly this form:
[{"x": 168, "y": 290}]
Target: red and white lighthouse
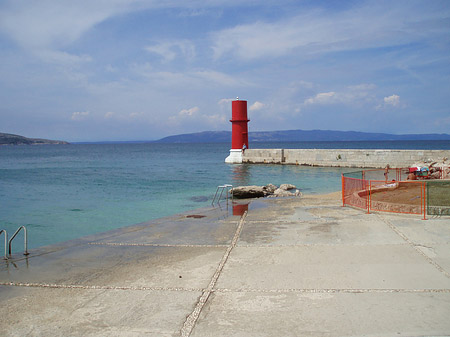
[{"x": 239, "y": 131}]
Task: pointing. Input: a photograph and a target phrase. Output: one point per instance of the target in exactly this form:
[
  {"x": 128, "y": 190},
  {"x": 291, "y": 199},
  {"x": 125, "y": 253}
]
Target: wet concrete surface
[{"x": 289, "y": 267}]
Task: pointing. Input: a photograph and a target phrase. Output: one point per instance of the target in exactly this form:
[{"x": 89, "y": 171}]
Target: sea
[{"x": 64, "y": 192}]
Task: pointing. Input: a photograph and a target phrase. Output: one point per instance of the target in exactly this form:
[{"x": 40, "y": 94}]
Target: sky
[{"x": 97, "y": 70}]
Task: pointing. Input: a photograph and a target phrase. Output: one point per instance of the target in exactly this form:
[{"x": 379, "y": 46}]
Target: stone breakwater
[{"x": 344, "y": 157}]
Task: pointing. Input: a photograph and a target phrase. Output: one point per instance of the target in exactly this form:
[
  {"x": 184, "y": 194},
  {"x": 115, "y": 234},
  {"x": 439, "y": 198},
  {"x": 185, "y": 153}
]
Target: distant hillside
[
  {"x": 10, "y": 139},
  {"x": 199, "y": 137},
  {"x": 297, "y": 136}
]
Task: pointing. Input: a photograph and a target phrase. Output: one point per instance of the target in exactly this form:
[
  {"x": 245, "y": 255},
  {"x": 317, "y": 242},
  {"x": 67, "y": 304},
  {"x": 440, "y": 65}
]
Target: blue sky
[{"x": 91, "y": 70}]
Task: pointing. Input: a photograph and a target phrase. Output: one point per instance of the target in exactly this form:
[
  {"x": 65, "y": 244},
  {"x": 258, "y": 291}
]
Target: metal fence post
[{"x": 424, "y": 189}]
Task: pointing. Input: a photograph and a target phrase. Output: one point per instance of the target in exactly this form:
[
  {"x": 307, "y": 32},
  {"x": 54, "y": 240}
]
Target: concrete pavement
[{"x": 288, "y": 267}]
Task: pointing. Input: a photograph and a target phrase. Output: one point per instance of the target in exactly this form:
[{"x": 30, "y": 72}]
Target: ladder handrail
[
  {"x": 215, "y": 195},
  {"x": 6, "y": 241},
  {"x": 25, "y": 240},
  {"x": 229, "y": 187},
  {"x": 222, "y": 188}
]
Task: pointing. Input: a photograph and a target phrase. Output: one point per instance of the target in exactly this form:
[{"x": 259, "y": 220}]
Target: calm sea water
[{"x": 62, "y": 192}]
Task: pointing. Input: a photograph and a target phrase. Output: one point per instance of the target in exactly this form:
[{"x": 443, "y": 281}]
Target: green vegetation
[{"x": 438, "y": 197}]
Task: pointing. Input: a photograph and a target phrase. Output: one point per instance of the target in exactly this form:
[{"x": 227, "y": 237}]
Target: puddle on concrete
[{"x": 324, "y": 227}]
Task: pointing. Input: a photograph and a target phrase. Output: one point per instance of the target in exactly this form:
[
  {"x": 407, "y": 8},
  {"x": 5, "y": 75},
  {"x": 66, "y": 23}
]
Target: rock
[
  {"x": 435, "y": 175},
  {"x": 279, "y": 192},
  {"x": 287, "y": 187},
  {"x": 269, "y": 189},
  {"x": 244, "y": 192}
]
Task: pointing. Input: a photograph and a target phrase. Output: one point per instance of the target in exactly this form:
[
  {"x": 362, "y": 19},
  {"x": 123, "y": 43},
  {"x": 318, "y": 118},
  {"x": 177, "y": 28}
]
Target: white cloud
[
  {"x": 49, "y": 24},
  {"x": 216, "y": 120},
  {"x": 188, "y": 79},
  {"x": 225, "y": 101},
  {"x": 256, "y": 106},
  {"x": 79, "y": 115},
  {"x": 363, "y": 86},
  {"x": 193, "y": 119},
  {"x": 322, "y": 98},
  {"x": 443, "y": 122},
  {"x": 124, "y": 117},
  {"x": 393, "y": 100},
  {"x": 220, "y": 78},
  {"x": 252, "y": 41},
  {"x": 321, "y": 31},
  {"x": 62, "y": 58},
  {"x": 109, "y": 114},
  {"x": 44, "y": 28},
  {"x": 136, "y": 115},
  {"x": 127, "y": 78},
  {"x": 169, "y": 50},
  {"x": 355, "y": 95},
  {"x": 189, "y": 112}
]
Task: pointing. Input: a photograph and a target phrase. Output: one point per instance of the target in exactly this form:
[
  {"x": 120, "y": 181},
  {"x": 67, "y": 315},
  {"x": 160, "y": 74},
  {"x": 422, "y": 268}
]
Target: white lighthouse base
[{"x": 235, "y": 157}]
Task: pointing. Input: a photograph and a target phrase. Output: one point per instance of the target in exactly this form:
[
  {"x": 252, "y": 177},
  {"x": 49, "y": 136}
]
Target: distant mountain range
[
  {"x": 258, "y": 136},
  {"x": 298, "y": 136},
  {"x": 10, "y": 139}
]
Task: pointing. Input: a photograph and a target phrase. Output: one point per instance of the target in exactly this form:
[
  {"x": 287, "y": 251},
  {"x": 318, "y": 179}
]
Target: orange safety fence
[
  {"x": 397, "y": 197},
  {"x": 390, "y": 174},
  {"x": 383, "y": 190},
  {"x": 353, "y": 192}
]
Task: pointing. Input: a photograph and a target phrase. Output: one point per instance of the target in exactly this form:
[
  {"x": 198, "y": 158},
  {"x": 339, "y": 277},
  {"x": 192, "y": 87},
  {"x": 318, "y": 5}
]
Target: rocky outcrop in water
[{"x": 246, "y": 192}]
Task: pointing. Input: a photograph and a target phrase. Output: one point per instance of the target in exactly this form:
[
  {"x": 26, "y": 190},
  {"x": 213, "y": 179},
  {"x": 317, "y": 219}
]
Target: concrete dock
[{"x": 289, "y": 267}]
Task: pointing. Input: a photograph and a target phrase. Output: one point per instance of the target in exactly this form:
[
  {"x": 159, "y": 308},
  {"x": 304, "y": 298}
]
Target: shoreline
[
  {"x": 46, "y": 249},
  {"x": 286, "y": 266},
  {"x": 42, "y": 250}
]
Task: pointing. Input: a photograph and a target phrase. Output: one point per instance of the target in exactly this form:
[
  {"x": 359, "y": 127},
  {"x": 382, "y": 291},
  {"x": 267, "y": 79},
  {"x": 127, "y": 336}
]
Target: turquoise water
[{"x": 63, "y": 192}]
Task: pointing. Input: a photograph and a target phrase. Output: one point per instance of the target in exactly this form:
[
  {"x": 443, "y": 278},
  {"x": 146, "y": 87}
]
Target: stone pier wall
[{"x": 343, "y": 157}]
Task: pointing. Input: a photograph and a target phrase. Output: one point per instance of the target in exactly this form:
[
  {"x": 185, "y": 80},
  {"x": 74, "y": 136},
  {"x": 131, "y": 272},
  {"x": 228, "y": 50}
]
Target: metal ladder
[
  {"x": 8, "y": 247},
  {"x": 6, "y": 241},
  {"x": 222, "y": 188}
]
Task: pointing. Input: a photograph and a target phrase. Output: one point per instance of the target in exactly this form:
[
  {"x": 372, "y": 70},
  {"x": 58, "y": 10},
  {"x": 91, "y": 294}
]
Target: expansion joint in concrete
[
  {"x": 153, "y": 245},
  {"x": 262, "y": 246},
  {"x": 414, "y": 246},
  {"x": 331, "y": 291},
  {"x": 93, "y": 287},
  {"x": 191, "y": 320}
]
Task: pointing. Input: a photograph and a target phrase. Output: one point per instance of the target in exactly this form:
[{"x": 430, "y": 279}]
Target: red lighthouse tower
[{"x": 239, "y": 131}]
